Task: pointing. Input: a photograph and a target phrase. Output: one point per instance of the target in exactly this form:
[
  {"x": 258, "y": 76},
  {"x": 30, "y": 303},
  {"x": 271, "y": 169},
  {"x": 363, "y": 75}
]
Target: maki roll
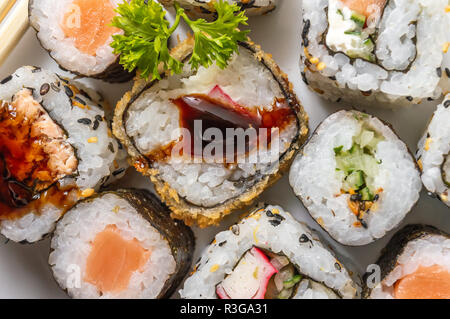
[
  {"x": 388, "y": 51},
  {"x": 55, "y": 147},
  {"x": 120, "y": 244},
  {"x": 78, "y": 34},
  {"x": 269, "y": 255},
  {"x": 433, "y": 154},
  {"x": 357, "y": 179},
  {"x": 414, "y": 265},
  {"x": 205, "y": 9},
  {"x": 212, "y": 140}
]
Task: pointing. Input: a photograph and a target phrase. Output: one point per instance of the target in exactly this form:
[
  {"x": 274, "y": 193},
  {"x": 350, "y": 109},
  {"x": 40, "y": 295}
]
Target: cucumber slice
[
  {"x": 366, "y": 194},
  {"x": 356, "y": 180},
  {"x": 358, "y": 18}
]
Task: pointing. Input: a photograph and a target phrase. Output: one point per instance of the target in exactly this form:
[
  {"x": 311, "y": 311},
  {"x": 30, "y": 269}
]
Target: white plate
[{"x": 24, "y": 271}]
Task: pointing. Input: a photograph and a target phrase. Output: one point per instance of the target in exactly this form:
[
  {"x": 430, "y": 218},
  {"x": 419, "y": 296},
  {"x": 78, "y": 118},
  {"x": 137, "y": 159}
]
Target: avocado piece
[
  {"x": 356, "y": 179},
  {"x": 366, "y": 194}
]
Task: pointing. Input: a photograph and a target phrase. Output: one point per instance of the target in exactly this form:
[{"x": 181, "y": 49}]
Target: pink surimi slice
[{"x": 249, "y": 278}]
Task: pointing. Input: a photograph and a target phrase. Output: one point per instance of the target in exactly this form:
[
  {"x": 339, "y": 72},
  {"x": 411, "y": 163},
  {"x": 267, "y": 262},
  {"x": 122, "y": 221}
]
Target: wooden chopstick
[
  {"x": 13, "y": 24},
  {"x": 5, "y": 7}
]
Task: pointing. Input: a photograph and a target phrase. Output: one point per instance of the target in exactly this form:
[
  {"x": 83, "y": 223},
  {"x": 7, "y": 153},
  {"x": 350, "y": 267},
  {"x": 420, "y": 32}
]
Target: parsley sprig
[{"x": 144, "y": 42}]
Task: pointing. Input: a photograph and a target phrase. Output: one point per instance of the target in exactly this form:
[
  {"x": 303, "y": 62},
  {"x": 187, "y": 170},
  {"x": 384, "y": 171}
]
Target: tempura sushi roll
[
  {"x": 414, "y": 265},
  {"x": 205, "y": 9},
  {"x": 78, "y": 34},
  {"x": 120, "y": 244},
  {"x": 269, "y": 255},
  {"x": 357, "y": 179},
  {"x": 433, "y": 153},
  {"x": 55, "y": 147},
  {"x": 212, "y": 140},
  {"x": 388, "y": 51}
]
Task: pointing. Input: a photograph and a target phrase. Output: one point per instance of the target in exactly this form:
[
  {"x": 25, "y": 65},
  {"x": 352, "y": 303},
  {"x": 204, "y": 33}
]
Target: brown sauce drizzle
[{"x": 221, "y": 114}]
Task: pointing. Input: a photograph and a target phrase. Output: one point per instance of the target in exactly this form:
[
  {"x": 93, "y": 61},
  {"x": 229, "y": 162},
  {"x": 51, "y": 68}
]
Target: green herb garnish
[{"x": 144, "y": 43}]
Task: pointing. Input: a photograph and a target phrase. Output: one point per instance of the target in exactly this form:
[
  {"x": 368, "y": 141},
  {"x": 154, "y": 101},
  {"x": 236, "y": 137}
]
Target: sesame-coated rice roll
[
  {"x": 388, "y": 51},
  {"x": 357, "y": 179},
  {"x": 55, "y": 147},
  {"x": 269, "y": 255}
]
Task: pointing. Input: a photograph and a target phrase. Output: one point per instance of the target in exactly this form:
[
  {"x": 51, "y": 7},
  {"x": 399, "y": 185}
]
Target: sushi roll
[
  {"x": 357, "y": 179},
  {"x": 120, "y": 244},
  {"x": 212, "y": 140},
  {"x": 78, "y": 34},
  {"x": 433, "y": 154},
  {"x": 55, "y": 147},
  {"x": 205, "y": 9},
  {"x": 414, "y": 265},
  {"x": 372, "y": 51},
  {"x": 269, "y": 255}
]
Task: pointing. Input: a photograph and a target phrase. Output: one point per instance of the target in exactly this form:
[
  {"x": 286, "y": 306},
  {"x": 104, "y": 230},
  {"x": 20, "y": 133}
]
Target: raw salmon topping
[
  {"x": 365, "y": 7},
  {"x": 113, "y": 260},
  {"x": 88, "y": 22},
  {"x": 426, "y": 283}
]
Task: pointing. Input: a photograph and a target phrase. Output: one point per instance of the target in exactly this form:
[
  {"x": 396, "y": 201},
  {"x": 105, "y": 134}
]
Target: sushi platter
[{"x": 342, "y": 191}]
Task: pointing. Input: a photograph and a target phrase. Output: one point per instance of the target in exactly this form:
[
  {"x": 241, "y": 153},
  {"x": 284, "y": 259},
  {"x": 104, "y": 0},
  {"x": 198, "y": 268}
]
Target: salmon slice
[
  {"x": 88, "y": 23},
  {"x": 113, "y": 260},
  {"x": 365, "y": 7},
  {"x": 426, "y": 283}
]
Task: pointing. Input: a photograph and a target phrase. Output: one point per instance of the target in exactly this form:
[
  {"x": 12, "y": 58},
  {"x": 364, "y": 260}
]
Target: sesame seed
[
  {"x": 445, "y": 47},
  {"x": 93, "y": 139},
  {"x": 88, "y": 192},
  {"x": 321, "y": 66},
  {"x": 214, "y": 268}
]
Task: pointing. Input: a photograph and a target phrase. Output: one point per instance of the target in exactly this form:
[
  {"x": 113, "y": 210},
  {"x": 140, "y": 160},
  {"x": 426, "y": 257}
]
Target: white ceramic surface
[{"x": 24, "y": 272}]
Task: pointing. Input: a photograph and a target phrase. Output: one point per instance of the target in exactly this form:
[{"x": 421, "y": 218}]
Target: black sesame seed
[
  {"x": 99, "y": 118},
  {"x": 6, "y": 80},
  {"x": 337, "y": 266},
  {"x": 355, "y": 197},
  {"x": 235, "y": 230},
  {"x": 304, "y": 239},
  {"x": 409, "y": 98},
  {"x": 447, "y": 71},
  {"x": 279, "y": 217},
  {"x": 68, "y": 91},
  {"x": 55, "y": 88},
  {"x": 44, "y": 89},
  {"x": 274, "y": 222},
  {"x": 364, "y": 224},
  {"x": 439, "y": 72},
  {"x": 118, "y": 171},
  {"x": 120, "y": 145},
  {"x": 222, "y": 243},
  {"x": 111, "y": 147},
  {"x": 36, "y": 69},
  {"x": 85, "y": 121},
  {"x": 447, "y": 103},
  {"x": 377, "y": 197},
  {"x": 80, "y": 100},
  {"x": 269, "y": 213},
  {"x": 332, "y": 78},
  {"x": 96, "y": 125}
]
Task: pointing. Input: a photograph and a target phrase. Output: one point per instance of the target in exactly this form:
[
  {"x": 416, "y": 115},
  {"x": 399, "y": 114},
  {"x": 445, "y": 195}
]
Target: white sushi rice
[
  {"x": 314, "y": 179},
  {"x": 423, "y": 252},
  {"x": 434, "y": 149},
  {"x": 97, "y": 161},
  {"x": 153, "y": 122},
  {"x": 394, "y": 81},
  {"x": 311, "y": 258},
  {"x": 46, "y": 16},
  {"x": 72, "y": 244}
]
